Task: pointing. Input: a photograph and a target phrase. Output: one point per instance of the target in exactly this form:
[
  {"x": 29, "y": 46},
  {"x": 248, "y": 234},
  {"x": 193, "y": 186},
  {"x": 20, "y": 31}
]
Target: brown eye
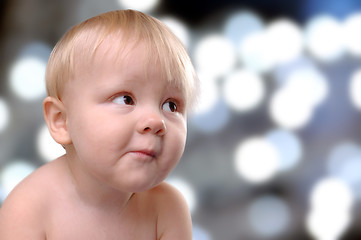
[
  {"x": 123, "y": 99},
  {"x": 170, "y": 106}
]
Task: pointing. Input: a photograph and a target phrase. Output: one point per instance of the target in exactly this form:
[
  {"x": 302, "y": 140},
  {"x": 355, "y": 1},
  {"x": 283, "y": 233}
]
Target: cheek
[
  {"x": 94, "y": 133},
  {"x": 175, "y": 145}
]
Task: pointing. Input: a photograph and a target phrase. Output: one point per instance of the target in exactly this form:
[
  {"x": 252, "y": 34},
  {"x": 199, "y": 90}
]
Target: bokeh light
[
  {"x": 27, "y": 78},
  {"x": 209, "y": 94},
  {"x": 187, "y": 191},
  {"x": 324, "y": 38},
  {"x": 330, "y": 214},
  {"x": 293, "y": 104},
  {"x": 344, "y": 162},
  {"x": 352, "y": 26},
  {"x": 308, "y": 84},
  {"x": 285, "y": 40},
  {"x": 213, "y": 120},
  {"x": 355, "y": 89},
  {"x": 27, "y": 74},
  {"x": 289, "y": 111},
  {"x": 200, "y": 233},
  {"x": 3, "y": 195},
  {"x": 255, "y": 52},
  {"x": 288, "y": 145},
  {"x": 178, "y": 28},
  {"x": 214, "y": 55},
  {"x": 243, "y": 90},
  {"x": 4, "y": 115},
  {"x": 269, "y": 216},
  {"x": 332, "y": 194},
  {"x": 37, "y": 49},
  {"x": 256, "y": 160},
  {"x": 323, "y": 226},
  {"x": 47, "y": 147},
  {"x": 140, "y": 5},
  {"x": 241, "y": 24},
  {"x": 14, "y": 172}
]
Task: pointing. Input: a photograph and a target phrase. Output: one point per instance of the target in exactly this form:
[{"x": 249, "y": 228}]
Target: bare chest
[{"x": 78, "y": 224}]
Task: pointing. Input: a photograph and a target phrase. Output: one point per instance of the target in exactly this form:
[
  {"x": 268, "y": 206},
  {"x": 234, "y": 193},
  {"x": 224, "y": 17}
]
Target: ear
[{"x": 55, "y": 118}]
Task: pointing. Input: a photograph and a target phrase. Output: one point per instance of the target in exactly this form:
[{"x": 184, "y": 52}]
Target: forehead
[
  {"x": 135, "y": 60},
  {"x": 137, "y": 56}
]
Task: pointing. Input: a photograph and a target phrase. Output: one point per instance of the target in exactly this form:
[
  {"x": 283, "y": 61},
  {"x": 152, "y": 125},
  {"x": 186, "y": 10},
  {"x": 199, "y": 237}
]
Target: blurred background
[{"x": 274, "y": 146}]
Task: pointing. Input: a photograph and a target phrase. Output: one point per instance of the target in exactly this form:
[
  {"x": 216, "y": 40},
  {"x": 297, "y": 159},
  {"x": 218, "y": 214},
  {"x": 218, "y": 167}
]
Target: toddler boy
[{"x": 119, "y": 86}]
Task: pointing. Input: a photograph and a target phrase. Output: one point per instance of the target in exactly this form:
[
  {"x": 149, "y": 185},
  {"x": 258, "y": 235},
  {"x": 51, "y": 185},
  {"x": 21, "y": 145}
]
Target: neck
[{"x": 94, "y": 193}]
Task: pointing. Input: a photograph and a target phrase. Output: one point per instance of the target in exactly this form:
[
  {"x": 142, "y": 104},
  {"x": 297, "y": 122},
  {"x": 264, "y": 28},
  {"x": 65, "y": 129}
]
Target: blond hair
[{"x": 82, "y": 41}]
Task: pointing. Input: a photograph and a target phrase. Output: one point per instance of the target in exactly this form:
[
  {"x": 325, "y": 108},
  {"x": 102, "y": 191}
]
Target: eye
[
  {"x": 123, "y": 99},
  {"x": 170, "y": 106}
]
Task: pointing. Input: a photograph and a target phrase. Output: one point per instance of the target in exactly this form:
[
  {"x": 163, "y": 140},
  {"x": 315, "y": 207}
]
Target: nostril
[
  {"x": 160, "y": 131},
  {"x": 152, "y": 125}
]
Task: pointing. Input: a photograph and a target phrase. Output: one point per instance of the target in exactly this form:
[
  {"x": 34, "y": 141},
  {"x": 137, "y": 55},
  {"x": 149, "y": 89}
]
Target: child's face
[{"x": 127, "y": 124}]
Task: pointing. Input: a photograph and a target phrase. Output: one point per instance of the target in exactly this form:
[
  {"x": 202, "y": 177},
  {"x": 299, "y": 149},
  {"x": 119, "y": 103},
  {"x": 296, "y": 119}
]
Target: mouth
[{"x": 145, "y": 153}]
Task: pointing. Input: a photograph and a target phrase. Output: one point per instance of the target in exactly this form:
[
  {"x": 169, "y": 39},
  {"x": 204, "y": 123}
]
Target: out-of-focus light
[
  {"x": 325, "y": 38},
  {"x": 288, "y": 145},
  {"x": 209, "y": 94},
  {"x": 140, "y": 5},
  {"x": 27, "y": 74},
  {"x": 256, "y": 160},
  {"x": 178, "y": 28},
  {"x": 350, "y": 172},
  {"x": 262, "y": 214},
  {"x": 200, "y": 233},
  {"x": 345, "y": 163},
  {"x": 240, "y": 24},
  {"x": 285, "y": 40},
  {"x": 46, "y": 145},
  {"x": 323, "y": 226},
  {"x": 342, "y": 152},
  {"x": 331, "y": 202},
  {"x": 243, "y": 90},
  {"x": 279, "y": 43},
  {"x": 213, "y": 120},
  {"x": 355, "y": 89},
  {"x": 39, "y": 50},
  {"x": 331, "y": 194},
  {"x": 255, "y": 52},
  {"x": 282, "y": 72},
  {"x": 27, "y": 78},
  {"x": 352, "y": 26},
  {"x": 4, "y": 115},
  {"x": 307, "y": 81},
  {"x": 289, "y": 107},
  {"x": 288, "y": 111},
  {"x": 214, "y": 55},
  {"x": 13, "y": 173},
  {"x": 2, "y": 194},
  {"x": 187, "y": 191}
]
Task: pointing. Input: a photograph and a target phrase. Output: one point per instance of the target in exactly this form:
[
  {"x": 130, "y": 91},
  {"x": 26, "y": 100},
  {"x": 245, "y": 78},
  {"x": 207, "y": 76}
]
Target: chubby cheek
[
  {"x": 92, "y": 139},
  {"x": 174, "y": 147}
]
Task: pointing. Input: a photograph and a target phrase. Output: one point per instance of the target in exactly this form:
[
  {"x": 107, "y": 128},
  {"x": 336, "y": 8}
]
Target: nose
[{"x": 152, "y": 123}]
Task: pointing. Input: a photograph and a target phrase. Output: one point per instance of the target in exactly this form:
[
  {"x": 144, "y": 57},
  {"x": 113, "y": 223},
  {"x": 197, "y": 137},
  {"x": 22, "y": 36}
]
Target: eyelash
[
  {"x": 128, "y": 96},
  {"x": 174, "y": 106}
]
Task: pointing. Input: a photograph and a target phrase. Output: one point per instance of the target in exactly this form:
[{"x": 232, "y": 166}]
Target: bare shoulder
[
  {"x": 174, "y": 220},
  {"x": 27, "y": 205}
]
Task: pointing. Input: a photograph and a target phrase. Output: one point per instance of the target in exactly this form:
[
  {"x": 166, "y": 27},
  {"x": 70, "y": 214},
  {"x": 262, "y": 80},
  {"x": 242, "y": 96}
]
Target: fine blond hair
[{"x": 129, "y": 26}]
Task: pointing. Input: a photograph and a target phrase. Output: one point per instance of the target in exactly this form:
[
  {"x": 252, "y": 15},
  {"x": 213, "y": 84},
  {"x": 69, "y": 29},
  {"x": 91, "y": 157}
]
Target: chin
[{"x": 142, "y": 186}]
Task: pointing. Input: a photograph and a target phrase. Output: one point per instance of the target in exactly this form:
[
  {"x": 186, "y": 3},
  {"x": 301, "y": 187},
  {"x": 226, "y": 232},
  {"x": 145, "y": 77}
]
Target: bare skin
[
  {"x": 124, "y": 131},
  {"x": 53, "y": 210}
]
